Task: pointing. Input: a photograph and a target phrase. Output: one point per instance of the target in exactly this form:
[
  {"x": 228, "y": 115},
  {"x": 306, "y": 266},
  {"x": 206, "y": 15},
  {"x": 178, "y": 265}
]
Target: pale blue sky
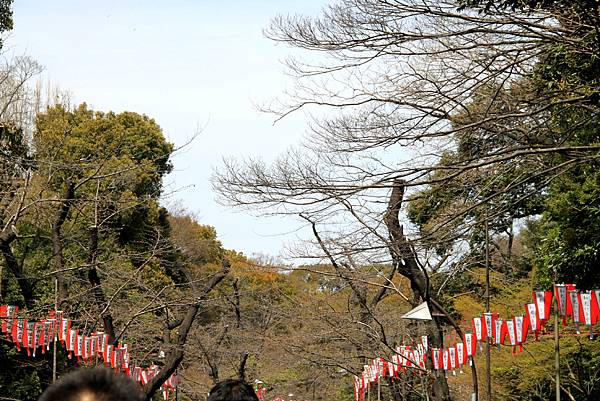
[{"x": 187, "y": 64}]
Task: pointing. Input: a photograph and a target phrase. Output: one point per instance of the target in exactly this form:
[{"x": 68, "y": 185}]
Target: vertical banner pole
[
  {"x": 488, "y": 375},
  {"x": 556, "y": 347},
  {"x": 56, "y": 317}
]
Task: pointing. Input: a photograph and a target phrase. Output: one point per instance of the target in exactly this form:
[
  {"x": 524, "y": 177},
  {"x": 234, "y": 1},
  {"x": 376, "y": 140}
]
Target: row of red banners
[
  {"x": 580, "y": 307},
  {"x": 34, "y": 335}
]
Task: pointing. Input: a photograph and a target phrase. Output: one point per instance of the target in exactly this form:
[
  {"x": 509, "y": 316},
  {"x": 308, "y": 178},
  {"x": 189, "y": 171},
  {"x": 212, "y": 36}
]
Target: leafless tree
[{"x": 399, "y": 84}]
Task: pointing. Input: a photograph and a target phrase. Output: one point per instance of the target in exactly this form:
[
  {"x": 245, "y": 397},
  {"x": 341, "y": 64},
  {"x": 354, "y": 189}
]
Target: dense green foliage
[
  {"x": 6, "y": 17},
  {"x": 561, "y": 207},
  {"x": 80, "y": 205}
]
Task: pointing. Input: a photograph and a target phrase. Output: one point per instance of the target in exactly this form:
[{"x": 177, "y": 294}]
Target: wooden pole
[
  {"x": 556, "y": 348},
  {"x": 488, "y": 373},
  {"x": 56, "y": 317}
]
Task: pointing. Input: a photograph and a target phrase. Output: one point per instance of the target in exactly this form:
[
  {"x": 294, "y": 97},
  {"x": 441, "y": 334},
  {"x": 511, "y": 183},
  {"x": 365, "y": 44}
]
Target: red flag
[
  {"x": 445, "y": 359},
  {"x": 452, "y": 357},
  {"x": 398, "y": 366},
  {"x": 470, "y": 344},
  {"x": 94, "y": 348},
  {"x": 461, "y": 354},
  {"x": 79, "y": 347},
  {"x": 479, "y": 329},
  {"x": 38, "y": 338},
  {"x": 357, "y": 389},
  {"x": 108, "y": 355},
  {"x": 407, "y": 357},
  {"x": 32, "y": 337},
  {"x": 25, "y": 336},
  {"x": 489, "y": 321},
  {"x": 543, "y": 303},
  {"x": 27, "y": 331},
  {"x": 533, "y": 319},
  {"x": 18, "y": 329},
  {"x": 64, "y": 330},
  {"x": 87, "y": 348},
  {"x": 71, "y": 342},
  {"x": 570, "y": 287},
  {"x": 42, "y": 336},
  {"x": 501, "y": 331},
  {"x": 560, "y": 290},
  {"x": 9, "y": 322},
  {"x": 144, "y": 375},
  {"x": 435, "y": 357},
  {"x": 585, "y": 307},
  {"x": 512, "y": 335},
  {"x": 3, "y": 316},
  {"x": 126, "y": 358},
  {"x": 521, "y": 325},
  {"x": 595, "y": 306},
  {"x": 574, "y": 303},
  {"x": 366, "y": 376},
  {"x": 15, "y": 329},
  {"x": 50, "y": 331},
  {"x": 102, "y": 344}
]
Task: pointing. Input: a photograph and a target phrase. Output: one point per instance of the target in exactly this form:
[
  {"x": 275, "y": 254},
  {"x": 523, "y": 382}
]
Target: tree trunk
[
  {"x": 25, "y": 284},
  {"x": 97, "y": 292},
  {"x": 404, "y": 257},
  {"x": 57, "y": 246}
]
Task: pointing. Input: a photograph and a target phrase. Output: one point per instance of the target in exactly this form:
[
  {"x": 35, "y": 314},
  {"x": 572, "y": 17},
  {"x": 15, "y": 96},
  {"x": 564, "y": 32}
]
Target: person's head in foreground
[
  {"x": 97, "y": 384},
  {"x": 232, "y": 390}
]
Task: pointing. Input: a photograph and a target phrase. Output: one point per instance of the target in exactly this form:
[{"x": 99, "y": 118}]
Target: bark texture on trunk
[{"x": 405, "y": 260}]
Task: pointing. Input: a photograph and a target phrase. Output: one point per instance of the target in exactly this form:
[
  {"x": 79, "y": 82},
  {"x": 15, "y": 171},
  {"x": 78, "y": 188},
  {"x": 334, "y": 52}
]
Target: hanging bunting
[
  {"x": 562, "y": 299},
  {"x": 501, "y": 331},
  {"x": 521, "y": 327},
  {"x": 357, "y": 389},
  {"x": 7, "y": 323},
  {"x": 445, "y": 360},
  {"x": 510, "y": 328},
  {"x": 543, "y": 303},
  {"x": 461, "y": 355},
  {"x": 489, "y": 320},
  {"x": 575, "y": 308},
  {"x": 65, "y": 327},
  {"x": 470, "y": 345},
  {"x": 585, "y": 310},
  {"x": 596, "y": 306},
  {"x": 49, "y": 332},
  {"x": 452, "y": 359},
  {"x": 478, "y": 329},
  {"x": 435, "y": 358},
  {"x": 534, "y": 321},
  {"x": 32, "y": 335}
]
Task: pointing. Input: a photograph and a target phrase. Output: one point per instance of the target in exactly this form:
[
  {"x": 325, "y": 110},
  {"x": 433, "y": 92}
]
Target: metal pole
[
  {"x": 488, "y": 375},
  {"x": 379, "y": 389}
]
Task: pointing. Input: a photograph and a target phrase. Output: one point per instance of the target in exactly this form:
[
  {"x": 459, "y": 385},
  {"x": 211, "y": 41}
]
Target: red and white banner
[{"x": 34, "y": 335}]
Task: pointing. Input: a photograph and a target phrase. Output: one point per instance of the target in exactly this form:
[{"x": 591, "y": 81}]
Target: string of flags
[
  {"x": 38, "y": 335},
  {"x": 581, "y": 308}
]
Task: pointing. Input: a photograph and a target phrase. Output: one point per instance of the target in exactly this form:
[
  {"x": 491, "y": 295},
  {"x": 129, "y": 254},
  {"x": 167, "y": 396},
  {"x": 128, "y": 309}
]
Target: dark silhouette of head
[
  {"x": 232, "y": 390},
  {"x": 97, "y": 384}
]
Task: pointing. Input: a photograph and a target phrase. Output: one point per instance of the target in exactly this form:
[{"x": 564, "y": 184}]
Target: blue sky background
[{"x": 189, "y": 65}]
